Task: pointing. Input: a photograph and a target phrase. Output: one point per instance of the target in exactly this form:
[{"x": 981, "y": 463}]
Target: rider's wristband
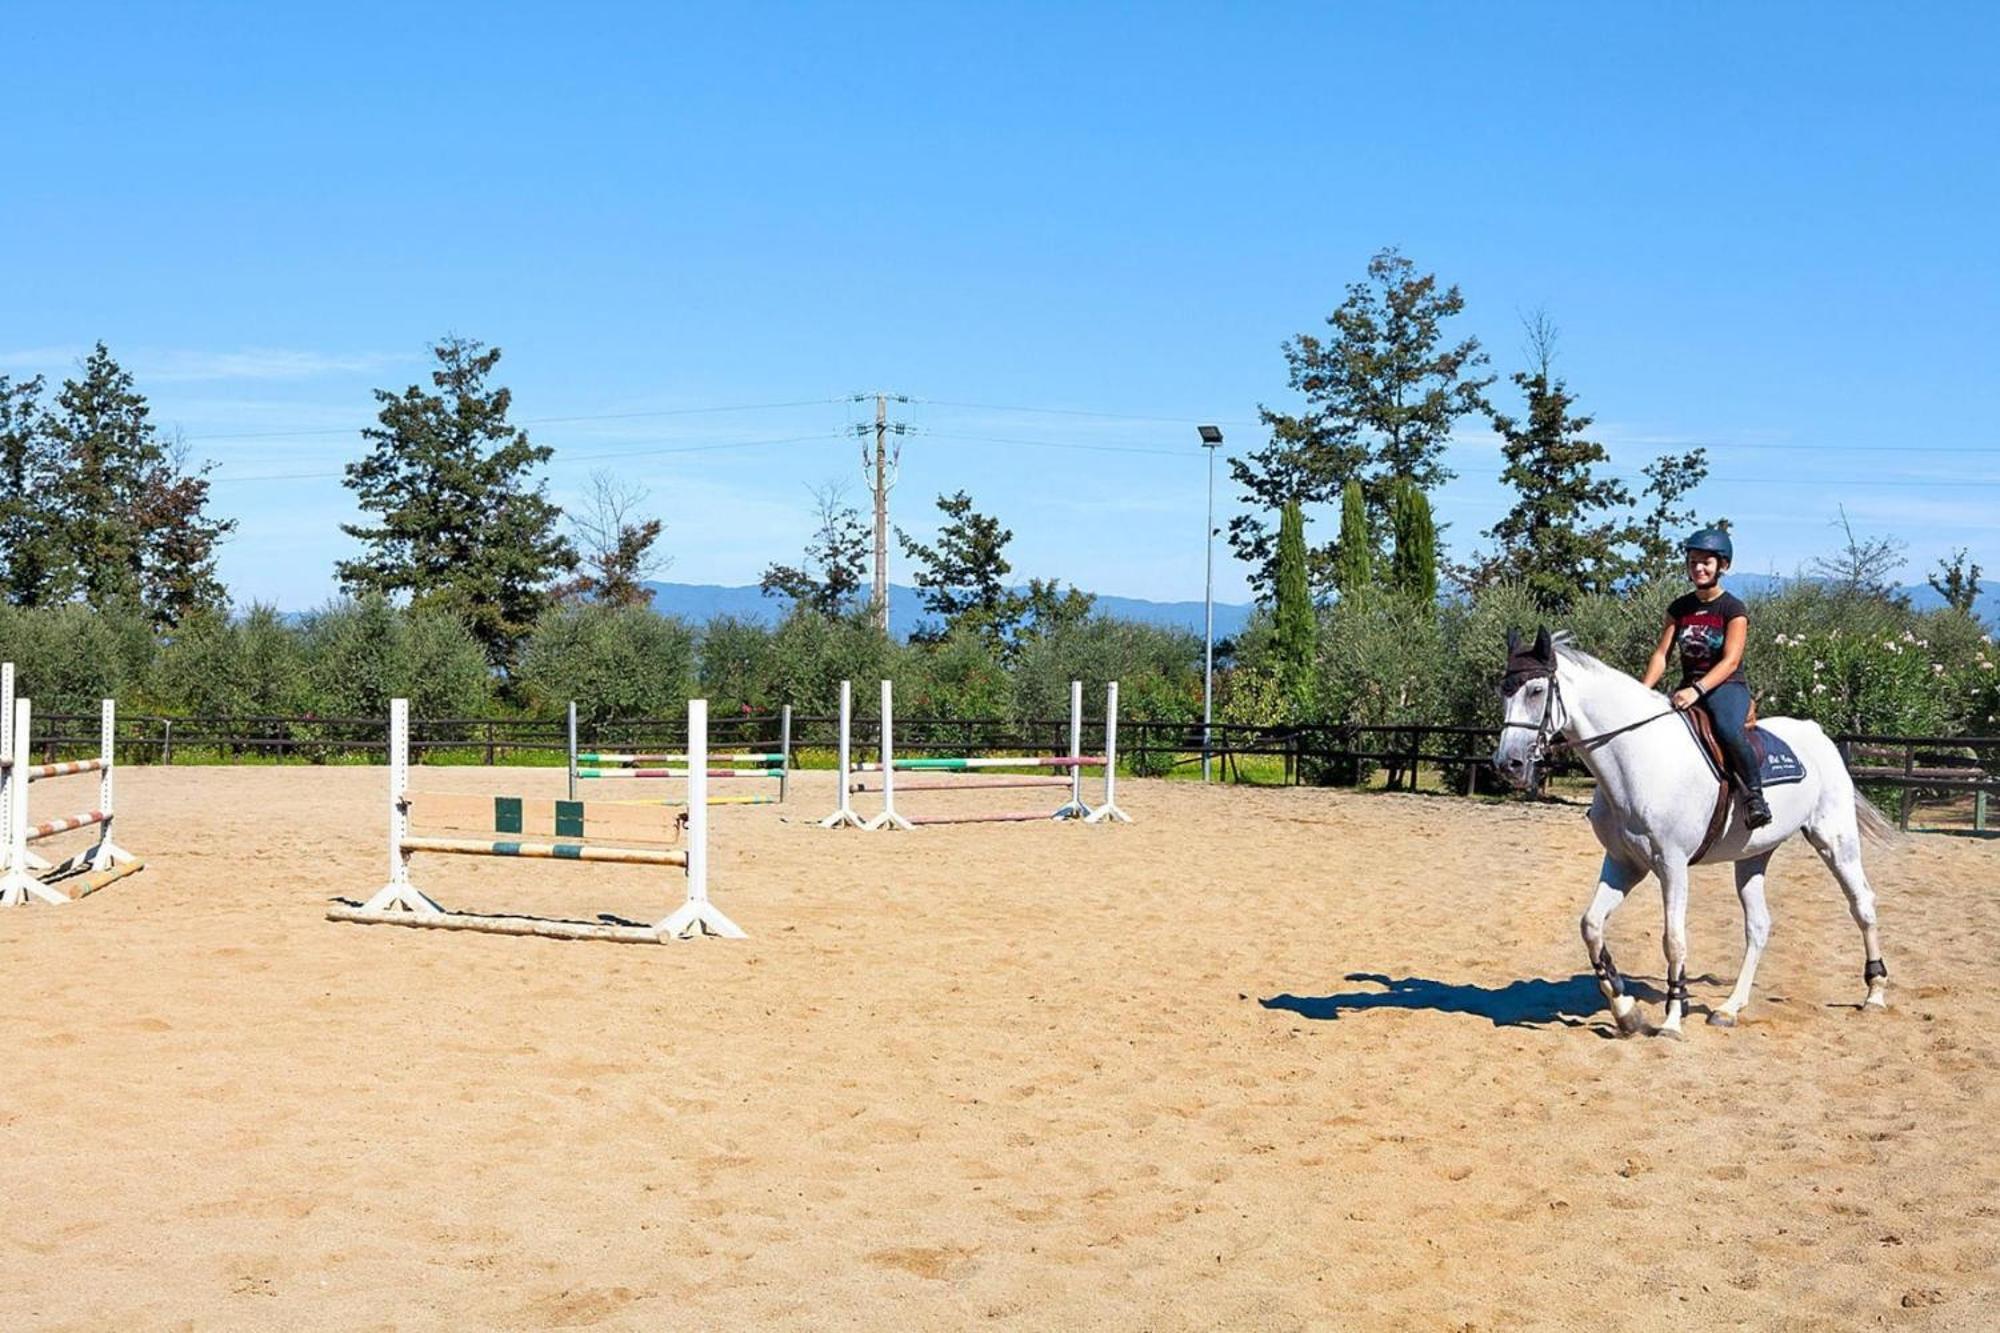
[{"x": 1699, "y": 692}]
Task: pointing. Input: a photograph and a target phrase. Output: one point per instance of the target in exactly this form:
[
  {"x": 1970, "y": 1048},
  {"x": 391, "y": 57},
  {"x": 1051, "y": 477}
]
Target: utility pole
[{"x": 880, "y": 470}]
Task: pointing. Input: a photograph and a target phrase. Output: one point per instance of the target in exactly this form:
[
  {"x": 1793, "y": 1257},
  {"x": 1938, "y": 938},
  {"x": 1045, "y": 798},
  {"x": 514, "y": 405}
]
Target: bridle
[{"x": 1547, "y": 743}]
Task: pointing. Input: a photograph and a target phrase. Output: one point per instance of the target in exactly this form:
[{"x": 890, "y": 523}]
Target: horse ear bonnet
[{"x": 1526, "y": 664}]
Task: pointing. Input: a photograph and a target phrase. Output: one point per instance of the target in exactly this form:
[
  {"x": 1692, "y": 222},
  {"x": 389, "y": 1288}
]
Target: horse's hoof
[
  {"x": 1722, "y": 1018},
  {"x": 1874, "y": 1005},
  {"x": 1672, "y": 1034}
]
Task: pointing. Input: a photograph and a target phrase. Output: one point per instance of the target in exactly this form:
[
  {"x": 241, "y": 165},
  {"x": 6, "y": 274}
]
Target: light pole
[{"x": 1211, "y": 440}]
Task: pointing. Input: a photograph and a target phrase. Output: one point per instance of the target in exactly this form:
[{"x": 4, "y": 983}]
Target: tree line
[{"x": 468, "y": 580}]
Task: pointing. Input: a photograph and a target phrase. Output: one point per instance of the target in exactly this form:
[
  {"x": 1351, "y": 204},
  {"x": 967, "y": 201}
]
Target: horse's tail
[{"x": 1877, "y": 829}]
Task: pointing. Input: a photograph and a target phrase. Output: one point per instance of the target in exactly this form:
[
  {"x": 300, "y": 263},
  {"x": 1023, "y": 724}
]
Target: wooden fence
[{"x": 1963, "y": 768}]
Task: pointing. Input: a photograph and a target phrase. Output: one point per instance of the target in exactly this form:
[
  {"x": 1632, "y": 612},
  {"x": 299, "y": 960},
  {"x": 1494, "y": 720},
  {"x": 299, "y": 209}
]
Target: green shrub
[{"x": 614, "y": 662}]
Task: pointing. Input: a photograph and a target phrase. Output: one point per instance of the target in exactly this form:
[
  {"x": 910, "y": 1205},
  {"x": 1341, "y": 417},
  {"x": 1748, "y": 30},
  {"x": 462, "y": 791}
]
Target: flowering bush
[{"x": 1888, "y": 684}]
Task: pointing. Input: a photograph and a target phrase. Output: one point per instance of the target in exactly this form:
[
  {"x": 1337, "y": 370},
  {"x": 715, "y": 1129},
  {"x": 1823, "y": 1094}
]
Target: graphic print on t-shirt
[{"x": 1700, "y": 629}]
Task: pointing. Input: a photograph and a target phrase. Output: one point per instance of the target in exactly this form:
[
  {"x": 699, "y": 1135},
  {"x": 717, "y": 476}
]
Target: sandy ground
[{"x": 1265, "y": 1059}]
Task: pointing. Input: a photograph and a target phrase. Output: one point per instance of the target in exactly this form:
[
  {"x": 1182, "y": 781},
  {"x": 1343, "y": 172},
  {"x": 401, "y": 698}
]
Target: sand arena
[{"x": 1264, "y": 1059}]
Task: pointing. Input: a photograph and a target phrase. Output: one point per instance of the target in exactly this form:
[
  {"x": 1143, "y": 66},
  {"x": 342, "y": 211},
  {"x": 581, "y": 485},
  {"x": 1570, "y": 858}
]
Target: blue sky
[{"x": 1767, "y": 229}]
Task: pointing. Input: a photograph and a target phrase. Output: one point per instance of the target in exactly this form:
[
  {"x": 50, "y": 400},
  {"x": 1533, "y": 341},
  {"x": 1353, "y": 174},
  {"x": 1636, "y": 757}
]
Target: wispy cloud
[
  {"x": 188, "y": 365},
  {"x": 255, "y": 363},
  {"x": 40, "y": 360}
]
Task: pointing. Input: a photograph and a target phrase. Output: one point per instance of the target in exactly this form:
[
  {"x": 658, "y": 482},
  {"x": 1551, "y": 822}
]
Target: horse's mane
[{"x": 1574, "y": 656}]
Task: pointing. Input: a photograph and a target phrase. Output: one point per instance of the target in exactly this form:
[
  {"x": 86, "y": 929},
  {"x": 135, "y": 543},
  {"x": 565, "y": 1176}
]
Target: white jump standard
[
  {"x": 24, "y": 876},
  {"x": 569, "y": 822},
  {"x": 889, "y": 766}
]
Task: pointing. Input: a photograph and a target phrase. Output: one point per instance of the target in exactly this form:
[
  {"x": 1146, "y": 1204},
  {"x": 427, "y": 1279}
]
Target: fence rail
[{"x": 1958, "y": 766}]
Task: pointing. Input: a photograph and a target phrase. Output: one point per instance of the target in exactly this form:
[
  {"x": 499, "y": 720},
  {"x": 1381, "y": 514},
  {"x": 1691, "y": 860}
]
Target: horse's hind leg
[
  {"x": 1756, "y": 931},
  {"x": 1614, "y": 881},
  {"x": 1838, "y": 841}
]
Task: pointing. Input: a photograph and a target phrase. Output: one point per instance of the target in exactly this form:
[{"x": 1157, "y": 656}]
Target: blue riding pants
[{"x": 1728, "y": 706}]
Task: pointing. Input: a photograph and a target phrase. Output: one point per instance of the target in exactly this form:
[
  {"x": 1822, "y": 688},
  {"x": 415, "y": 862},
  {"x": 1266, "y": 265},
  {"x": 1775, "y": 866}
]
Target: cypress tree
[
  {"x": 1353, "y": 560},
  {"x": 1295, "y": 609},
  {"x": 1414, "y": 567}
]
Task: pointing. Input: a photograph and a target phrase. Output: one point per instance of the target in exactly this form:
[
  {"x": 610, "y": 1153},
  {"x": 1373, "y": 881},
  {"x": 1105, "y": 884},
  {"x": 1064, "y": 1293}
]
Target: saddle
[
  {"x": 1777, "y": 765},
  {"x": 1703, "y": 727}
]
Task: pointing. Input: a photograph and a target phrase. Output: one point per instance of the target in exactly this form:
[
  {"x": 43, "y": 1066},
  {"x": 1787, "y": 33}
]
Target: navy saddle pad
[{"x": 1777, "y": 765}]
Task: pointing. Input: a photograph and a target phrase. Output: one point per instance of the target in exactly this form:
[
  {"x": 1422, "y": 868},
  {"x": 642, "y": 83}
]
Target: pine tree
[
  {"x": 32, "y": 559},
  {"x": 1381, "y": 391},
  {"x": 964, "y": 579},
  {"x": 836, "y": 559},
  {"x": 1413, "y": 571},
  {"x": 121, "y": 520},
  {"x": 1295, "y": 621},
  {"x": 458, "y": 524},
  {"x": 1354, "y": 554},
  {"x": 1564, "y": 537},
  {"x": 1957, "y": 581}
]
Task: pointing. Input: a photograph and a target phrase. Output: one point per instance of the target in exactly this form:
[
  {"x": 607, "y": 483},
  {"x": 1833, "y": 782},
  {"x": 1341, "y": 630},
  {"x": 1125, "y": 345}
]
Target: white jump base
[
  {"x": 401, "y": 903},
  {"x": 25, "y": 876},
  {"x": 888, "y": 767}
]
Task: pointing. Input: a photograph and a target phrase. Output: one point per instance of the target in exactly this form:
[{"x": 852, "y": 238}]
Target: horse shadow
[{"x": 1532, "y": 1002}]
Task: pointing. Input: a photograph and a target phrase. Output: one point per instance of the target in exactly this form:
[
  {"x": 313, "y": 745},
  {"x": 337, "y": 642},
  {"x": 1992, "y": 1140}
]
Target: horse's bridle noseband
[{"x": 1545, "y": 730}]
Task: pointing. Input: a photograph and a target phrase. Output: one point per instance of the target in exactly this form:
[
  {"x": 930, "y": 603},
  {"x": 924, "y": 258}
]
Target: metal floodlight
[{"x": 1211, "y": 439}]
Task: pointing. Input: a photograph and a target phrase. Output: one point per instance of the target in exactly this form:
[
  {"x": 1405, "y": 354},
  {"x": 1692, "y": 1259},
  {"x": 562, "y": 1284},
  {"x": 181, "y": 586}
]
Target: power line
[
  {"x": 569, "y": 458},
  {"x": 1084, "y": 412},
  {"x": 537, "y": 421},
  {"x": 1190, "y": 453}
]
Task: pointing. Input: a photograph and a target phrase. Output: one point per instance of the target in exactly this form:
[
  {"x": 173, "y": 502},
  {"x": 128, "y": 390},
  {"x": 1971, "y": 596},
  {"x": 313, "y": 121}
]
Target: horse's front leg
[
  {"x": 1756, "y": 931},
  {"x": 1674, "y": 896},
  {"x": 1614, "y": 881}
]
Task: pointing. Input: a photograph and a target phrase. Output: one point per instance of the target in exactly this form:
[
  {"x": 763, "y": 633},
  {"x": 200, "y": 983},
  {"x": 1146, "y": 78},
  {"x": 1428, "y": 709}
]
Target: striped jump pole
[
  {"x": 18, "y": 887},
  {"x": 589, "y": 765},
  {"x": 844, "y": 816},
  {"x": 400, "y": 902},
  {"x": 22, "y": 872}
]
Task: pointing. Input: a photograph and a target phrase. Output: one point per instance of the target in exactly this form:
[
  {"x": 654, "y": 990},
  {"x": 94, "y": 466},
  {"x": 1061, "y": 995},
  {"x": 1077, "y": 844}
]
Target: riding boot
[{"x": 1756, "y": 813}]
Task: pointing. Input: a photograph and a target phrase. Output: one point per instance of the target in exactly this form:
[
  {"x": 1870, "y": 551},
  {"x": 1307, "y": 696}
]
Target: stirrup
[{"x": 1756, "y": 810}]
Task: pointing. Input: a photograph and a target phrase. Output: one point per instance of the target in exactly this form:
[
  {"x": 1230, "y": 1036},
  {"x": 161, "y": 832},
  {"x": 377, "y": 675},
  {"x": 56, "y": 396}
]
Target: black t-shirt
[{"x": 1699, "y": 629}]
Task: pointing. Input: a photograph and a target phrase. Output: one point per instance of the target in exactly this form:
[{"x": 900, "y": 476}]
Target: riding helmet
[{"x": 1714, "y": 540}]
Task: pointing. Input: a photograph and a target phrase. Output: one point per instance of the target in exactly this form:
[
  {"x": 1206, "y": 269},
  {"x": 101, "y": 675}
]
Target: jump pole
[
  {"x": 399, "y": 902},
  {"x": 1074, "y": 808},
  {"x": 844, "y": 816},
  {"x": 785, "y": 748},
  {"x": 1109, "y": 810},
  {"x": 17, "y": 886},
  {"x": 698, "y": 916},
  {"x": 888, "y": 818},
  {"x": 572, "y": 749},
  {"x": 10, "y": 772}
]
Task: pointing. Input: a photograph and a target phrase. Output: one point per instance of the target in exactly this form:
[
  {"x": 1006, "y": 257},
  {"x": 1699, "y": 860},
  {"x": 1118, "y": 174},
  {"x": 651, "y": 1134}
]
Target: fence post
[
  {"x": 167, "y": 742},
  {"x": 1909, "y": 794}
]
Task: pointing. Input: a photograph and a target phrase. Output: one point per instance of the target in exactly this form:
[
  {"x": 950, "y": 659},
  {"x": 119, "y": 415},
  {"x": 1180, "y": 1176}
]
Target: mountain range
[{"x": 698, "y": 602}]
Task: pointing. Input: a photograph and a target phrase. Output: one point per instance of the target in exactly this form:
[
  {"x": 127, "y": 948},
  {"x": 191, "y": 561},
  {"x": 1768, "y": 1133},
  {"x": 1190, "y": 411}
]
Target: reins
[{"x": 1547, "y": 742}]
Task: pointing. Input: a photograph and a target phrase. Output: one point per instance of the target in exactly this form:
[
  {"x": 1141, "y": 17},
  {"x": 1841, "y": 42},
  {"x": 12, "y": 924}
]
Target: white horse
[{"x": 1655, "y": 798}]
